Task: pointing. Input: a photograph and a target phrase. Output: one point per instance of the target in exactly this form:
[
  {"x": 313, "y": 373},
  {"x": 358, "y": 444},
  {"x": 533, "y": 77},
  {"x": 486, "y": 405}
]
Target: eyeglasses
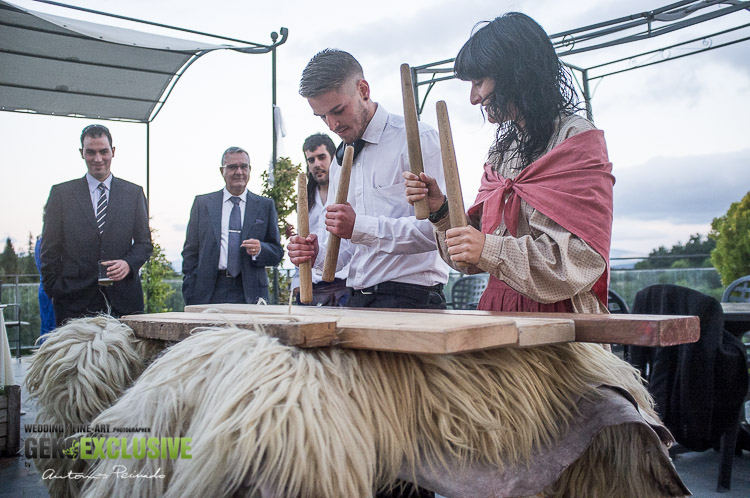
[{"x": 235, "y": 167}]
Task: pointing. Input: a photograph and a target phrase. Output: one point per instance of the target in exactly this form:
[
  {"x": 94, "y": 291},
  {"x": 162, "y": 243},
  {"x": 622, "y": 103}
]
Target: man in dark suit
[
  {"x": 232, "y": 236},
  {"x": 94, "y": 221}
]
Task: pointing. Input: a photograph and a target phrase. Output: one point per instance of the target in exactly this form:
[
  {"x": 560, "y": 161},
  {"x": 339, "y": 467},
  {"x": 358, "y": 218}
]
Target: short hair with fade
[
  {"x": 328, "y": 70},
  {"x": 96, "y": 131},
  {"x": 234, "y": 150},
  {"x": 314, "y": 141}
]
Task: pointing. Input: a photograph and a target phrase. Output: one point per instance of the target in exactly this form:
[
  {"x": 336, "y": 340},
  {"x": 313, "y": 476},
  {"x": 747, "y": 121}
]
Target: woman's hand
[
  {"x": 465, "y": 244},
  {"x": 419, "y": 187}
]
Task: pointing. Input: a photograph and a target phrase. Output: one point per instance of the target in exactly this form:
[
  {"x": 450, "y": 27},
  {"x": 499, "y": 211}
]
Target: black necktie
[
  {"x": 358, "y": 144},
  {"x": 101, "y": 208},
  {"x": 233, "y": 244}
]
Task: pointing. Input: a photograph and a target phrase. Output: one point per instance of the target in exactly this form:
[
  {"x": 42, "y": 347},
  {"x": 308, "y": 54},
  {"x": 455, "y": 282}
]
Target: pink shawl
[{"x": 571, "y": 184}]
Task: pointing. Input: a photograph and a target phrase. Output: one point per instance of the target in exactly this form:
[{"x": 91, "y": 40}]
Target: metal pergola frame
[
  {"x": 615, "y": 32},
  {"x": 252, "y": 48}
]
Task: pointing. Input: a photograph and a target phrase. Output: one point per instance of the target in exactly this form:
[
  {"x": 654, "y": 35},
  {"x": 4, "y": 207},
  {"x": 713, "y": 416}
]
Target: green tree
[
  {"x": 731, "y": 232},
  {"x": 284, "y": 189},
  {"x": 694, "y": 254},
  {"x": 156, "y": 291},
  {"x": 284, "y": 195},
  {"x": 9, "y": 259},
  {"x": 26, "y": 263}
]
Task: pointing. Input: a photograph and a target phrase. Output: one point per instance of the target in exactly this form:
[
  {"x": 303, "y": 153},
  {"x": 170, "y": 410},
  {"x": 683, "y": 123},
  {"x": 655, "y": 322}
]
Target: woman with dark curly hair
[{"x": 542, "y": 220}]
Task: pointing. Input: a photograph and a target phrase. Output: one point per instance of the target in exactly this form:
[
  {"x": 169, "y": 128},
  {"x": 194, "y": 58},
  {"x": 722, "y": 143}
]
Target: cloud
[{"x": 685, "y": 190}]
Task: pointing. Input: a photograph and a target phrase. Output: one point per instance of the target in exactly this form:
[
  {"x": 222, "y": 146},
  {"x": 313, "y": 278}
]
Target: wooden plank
[
  {"x": 304, "y": 332},
  {"x": 13, "y": 424},
  {"x": 401, "y": 331},
  {"x": 637, "y": 330}
]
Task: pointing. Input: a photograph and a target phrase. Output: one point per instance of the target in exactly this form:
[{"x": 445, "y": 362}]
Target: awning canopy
[{"x": 60, "y": 66}]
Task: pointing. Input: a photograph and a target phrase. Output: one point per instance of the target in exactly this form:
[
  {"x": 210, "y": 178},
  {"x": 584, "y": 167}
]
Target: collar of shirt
[
  {"x": 242, "y": 196},
  {"x": 94, "y": 183},
  {"x": 94, "y": 188},
  {"x": 376, "y": 126}
]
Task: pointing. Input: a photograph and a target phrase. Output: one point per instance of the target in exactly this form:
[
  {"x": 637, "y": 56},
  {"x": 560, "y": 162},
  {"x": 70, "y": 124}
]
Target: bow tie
[{"x": 358, "y": 144}]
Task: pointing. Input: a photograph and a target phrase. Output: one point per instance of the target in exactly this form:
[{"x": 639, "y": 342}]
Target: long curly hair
[{"x": 532, "y": 86}]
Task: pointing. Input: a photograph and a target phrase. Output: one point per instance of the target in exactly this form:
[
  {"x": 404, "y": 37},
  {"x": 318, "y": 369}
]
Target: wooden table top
[
  {"x": 420, "y": 331},
  {"x": 362, "y": 328}
]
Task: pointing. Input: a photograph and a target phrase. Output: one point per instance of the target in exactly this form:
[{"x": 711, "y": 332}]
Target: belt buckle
[{"x": 367, "y": 292}]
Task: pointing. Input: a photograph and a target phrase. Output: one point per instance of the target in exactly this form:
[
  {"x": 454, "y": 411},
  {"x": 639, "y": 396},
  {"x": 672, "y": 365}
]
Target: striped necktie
[
  {"x": 101, "y": 208},
  {"x": 234, "y": 240}
]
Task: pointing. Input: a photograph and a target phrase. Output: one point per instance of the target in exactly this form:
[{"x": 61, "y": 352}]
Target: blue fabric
[{"x": 46, "y": 311}]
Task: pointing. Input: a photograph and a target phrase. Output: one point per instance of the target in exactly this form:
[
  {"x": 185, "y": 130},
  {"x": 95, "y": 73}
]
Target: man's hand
[
  {"x": 117, "y": 269},
  {"x": 289, "y": 230},
  {"x": 340, "y": 220},
  {"x": 303, "y": 249},
  {"x": 465, "y": 244},
  {"x": 419, "y": 187},
  {"x": 252, "y": 246}
]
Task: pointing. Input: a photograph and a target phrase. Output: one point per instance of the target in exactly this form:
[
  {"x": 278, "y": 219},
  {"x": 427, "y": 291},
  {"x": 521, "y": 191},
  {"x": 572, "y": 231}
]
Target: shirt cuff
[
  {"x": 365, "y": 230},
  {"x": 443, "y": 225},
  {"x": 259, "y": 249},
  {"x": 490, "y": 260}
]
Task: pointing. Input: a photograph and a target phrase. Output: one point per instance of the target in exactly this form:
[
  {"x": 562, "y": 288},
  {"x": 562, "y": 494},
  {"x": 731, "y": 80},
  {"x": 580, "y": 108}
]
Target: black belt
[
  {"x": 399, "y": 288},
  {"x": 224, "y": 273}
]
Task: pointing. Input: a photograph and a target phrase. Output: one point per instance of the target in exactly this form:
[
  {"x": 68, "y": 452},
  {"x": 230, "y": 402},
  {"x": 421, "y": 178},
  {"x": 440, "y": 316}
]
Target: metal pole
[
  {"x": 587, "y": 95},
  {"x": 274, "y": 36},
  {"x": 148, "y": 165},
  {"x": 414, "y": 77},
  {"x": 148, "y": 202}
]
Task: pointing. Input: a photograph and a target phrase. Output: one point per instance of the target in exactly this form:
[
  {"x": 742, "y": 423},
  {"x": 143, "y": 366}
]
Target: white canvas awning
[{"x": 60, "y": 66}]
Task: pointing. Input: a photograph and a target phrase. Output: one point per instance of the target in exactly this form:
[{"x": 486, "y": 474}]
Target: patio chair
[
  {"x": 698, "y": 388},
  {"x": 467, "y": 290},
  {"x": 738, "y": 291},
  {"x": 616, "y": 303}
]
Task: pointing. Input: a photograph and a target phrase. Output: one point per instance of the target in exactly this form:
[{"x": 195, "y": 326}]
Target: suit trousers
[
  {"x": 228, "y": 289},
  {"x": 99, "y": 303}
]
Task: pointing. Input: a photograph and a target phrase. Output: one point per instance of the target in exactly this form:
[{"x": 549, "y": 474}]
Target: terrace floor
[{"x": 699, "y": 471}]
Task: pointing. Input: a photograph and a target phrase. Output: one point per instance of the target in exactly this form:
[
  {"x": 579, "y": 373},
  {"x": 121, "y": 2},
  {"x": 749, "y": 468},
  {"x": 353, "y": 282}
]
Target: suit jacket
[
  {"x": 698, "y": 388},
  {"x": 72, "y": 246},
  {"x": 200, "y": 254}
]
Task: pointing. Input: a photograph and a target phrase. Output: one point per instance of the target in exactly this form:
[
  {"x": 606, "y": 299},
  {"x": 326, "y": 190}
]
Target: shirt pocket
[{"x": 391, "y": 201}]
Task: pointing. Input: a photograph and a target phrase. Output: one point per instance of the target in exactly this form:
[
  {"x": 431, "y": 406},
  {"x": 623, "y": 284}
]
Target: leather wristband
[{"x": 438, "y": 215}]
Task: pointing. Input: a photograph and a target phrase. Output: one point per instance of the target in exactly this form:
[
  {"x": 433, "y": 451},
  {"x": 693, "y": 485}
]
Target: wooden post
[
  {"x": 334, "y": 241},
  {"x": 303, "y": 225},
  {"x": 413, "y": 143},
  {"x": 450, "y": 169}
]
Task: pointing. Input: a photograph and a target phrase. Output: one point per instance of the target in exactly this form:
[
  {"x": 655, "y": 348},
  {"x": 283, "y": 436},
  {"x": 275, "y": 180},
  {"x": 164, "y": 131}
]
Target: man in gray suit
[
  {"x": 231, "y": 237},
  {"x": 94, "y": 221}
]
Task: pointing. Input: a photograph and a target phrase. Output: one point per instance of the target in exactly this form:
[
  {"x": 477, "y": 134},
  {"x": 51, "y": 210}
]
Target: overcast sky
[{"x": 677, "y": 132}]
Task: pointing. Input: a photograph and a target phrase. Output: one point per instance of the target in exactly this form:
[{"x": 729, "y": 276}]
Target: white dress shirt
[
  {"x": 226, "y": 210},
  {"x": 388, "y": 242},
  {"x": 94, "y": 189}
]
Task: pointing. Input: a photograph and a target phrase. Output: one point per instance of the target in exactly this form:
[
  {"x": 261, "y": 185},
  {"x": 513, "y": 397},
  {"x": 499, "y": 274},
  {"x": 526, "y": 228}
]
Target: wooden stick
[
  {"x": 303, "y": 225},
  {"x": 334, "y": 241},
  {"x": 450, "y": 169},
  {"x": 412, "y": 135}
]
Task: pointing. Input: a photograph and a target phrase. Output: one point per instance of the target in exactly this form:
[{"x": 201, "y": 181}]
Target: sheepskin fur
[
  {"x": 78, "y": 372},
  {"x": 271, "y": 420}
]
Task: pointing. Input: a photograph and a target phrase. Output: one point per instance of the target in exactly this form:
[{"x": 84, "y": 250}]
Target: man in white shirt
[
  {"x": 231, "y": 237},
  {"x": 319, "y": 150},
  {"x": 392, "y": 256}
]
